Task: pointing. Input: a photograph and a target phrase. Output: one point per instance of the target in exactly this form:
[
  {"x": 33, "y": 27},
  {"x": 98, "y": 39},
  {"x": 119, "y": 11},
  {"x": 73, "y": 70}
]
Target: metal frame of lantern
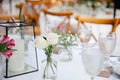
[{"x": 21, "y": 24}]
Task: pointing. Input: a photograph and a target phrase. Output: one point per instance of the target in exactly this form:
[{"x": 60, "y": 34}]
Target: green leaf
[
  {"x": 3, "y": 47},
  {"x": 14, "y": 49}
]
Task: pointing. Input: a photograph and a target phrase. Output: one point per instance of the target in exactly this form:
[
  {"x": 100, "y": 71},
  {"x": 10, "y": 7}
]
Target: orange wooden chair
[
  {"x": 66, "y": 14},
  {"x": 31, "y": 16},
  {"x": 34, "y": 15},
  {"x": 47, "y": 3},
  {"x": 114, "y": 22},
  {"x": 8, "y": 17}
]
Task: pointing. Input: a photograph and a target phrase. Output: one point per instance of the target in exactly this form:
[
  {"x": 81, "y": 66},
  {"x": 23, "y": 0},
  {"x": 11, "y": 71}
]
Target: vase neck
[{"x": 49, "y": 58}]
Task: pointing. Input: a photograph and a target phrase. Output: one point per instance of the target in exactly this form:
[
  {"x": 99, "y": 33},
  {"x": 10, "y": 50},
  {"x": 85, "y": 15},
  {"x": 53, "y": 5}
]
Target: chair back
[
  {"x": 31, "y": 12},
  {"x": 66, "y": 14},
  {"x": 115, "y": 22},
  {"x": 34, "y": 9},
  {"x": 110, "y": 21}
]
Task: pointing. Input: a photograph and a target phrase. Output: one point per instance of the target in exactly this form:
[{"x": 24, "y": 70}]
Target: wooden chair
[
  {"x": 8, "y": 17},
  {"x": 114, "y": 22},
  {"x": 66, "y": 14},
  {"x": 34, "y": 15},
  {"x": 47, "y": 3},
  {"x": 69, "y": 1}
]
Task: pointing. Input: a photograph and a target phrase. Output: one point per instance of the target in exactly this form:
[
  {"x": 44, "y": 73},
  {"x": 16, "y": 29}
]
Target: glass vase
[
  {"x": 65, "y": 54},
  {"x": 49, "y": 69}
]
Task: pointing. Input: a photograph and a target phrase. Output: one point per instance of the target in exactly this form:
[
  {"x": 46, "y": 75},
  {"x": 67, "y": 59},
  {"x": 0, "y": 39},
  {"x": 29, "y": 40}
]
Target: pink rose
[
  {"x": 11, "y": 43},
  {"x": 4, "y": 39},
  {"x": 8, "y": 53}
]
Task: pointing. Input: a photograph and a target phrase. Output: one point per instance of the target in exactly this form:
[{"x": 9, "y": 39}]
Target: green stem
[
  {"x": 46, "y": 67},
  {"x": 52, "y": 67},
  {"x": 49, "y": 62},
  {"x": 55, "y": 65}
]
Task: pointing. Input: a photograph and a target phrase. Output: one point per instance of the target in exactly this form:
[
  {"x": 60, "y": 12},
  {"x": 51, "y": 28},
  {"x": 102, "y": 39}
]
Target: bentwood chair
[
  {"x": 47, "y": 3},
  {"x": 8, "y": 17},
  {"x": 29, "y": 8},
  {"x": 31, "y": 13},
  {"x": 60, "y": 14},
  {"x": 69, "y": 1},
  {"x": 107, "y": 21}
]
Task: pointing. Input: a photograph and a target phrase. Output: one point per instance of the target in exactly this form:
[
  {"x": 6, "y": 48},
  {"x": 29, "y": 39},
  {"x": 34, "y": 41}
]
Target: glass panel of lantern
[{"x": 24, "y": 58}]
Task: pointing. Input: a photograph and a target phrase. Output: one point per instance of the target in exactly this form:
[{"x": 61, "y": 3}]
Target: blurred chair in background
[
  {"x": 32, "y": 9},
  {"x": 69, "y": 1},
  {"x": 107, "y": 21},
  {"x": 8, "y": 17},
  {"x": 65, "y": 16},
  {"x": 28, "y": 8}
]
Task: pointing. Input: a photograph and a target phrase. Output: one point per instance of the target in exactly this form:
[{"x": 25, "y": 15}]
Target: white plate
[{"x": 116, "y": 68}]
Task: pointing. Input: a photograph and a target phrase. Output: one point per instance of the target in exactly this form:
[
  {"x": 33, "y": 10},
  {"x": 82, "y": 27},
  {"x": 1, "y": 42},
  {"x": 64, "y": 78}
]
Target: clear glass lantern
[{"x": 24, "y": 59}]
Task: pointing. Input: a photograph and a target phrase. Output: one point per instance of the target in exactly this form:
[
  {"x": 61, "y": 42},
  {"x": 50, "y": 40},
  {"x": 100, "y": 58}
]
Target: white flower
[
  {"x": 52, "y": 38},
  {"x": 68, "y": 38},
  {"x": 41, "y": 42}
]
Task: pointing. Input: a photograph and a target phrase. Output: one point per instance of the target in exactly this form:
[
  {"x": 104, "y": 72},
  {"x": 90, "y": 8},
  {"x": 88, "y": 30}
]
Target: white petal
[
  {"x": 40, "y": 42},
  {"x": 52, "y": 38}
]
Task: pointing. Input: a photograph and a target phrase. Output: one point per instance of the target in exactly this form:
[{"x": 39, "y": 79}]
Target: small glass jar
[
  {"x": 49, "y": 69},
  {"x": 65, "y": 54}
]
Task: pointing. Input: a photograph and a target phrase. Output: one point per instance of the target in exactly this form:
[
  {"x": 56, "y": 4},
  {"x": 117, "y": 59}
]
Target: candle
[{"x": 16, "y": 62}]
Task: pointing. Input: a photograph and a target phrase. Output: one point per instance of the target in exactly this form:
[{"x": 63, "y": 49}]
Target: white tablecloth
[{"x": 72, "y": 70}]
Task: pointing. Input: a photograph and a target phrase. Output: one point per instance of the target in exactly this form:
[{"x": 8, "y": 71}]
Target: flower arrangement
[
  {"x": 48, "y": 42},
  {"x": 66, "y": 38},
  {"x": 6, "y": 45}
]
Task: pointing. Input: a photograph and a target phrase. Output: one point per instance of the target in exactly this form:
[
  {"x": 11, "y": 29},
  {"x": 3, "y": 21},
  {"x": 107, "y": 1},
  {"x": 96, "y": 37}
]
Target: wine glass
[
  {"x": 84, "y": 35},
  {"x": 107, "y": 43},
  {"x": 92, "y": 61}
]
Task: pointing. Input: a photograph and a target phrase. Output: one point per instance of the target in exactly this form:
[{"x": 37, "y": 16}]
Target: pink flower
[
  {"x": 11, "y": 43},
  {"x": 60, "y": 28},
  {"x": 4, "y": 39},
  {"x": 8, "y": 53}
]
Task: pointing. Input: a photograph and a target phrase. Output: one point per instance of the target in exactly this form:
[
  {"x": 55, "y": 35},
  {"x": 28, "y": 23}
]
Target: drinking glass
[
  {"x": 107, "y": 43},
  {"x": 92, "y": 61},
  {"x": 84, "y": 36}
]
